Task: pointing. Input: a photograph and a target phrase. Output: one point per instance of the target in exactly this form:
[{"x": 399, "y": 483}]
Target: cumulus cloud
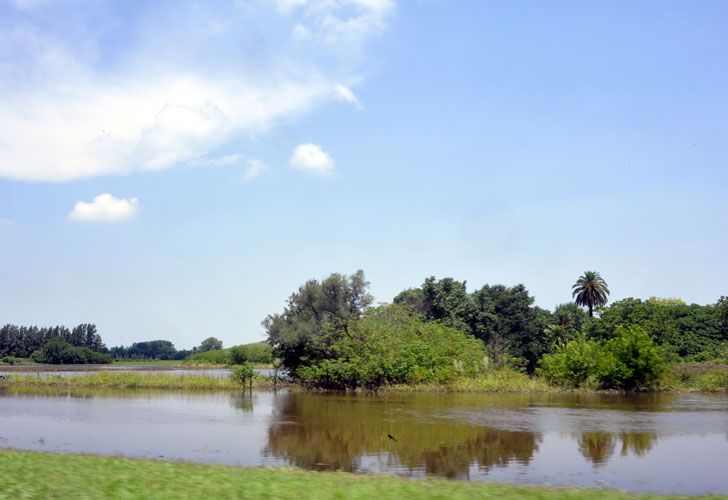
[
  {"x": 312, "y": 158},
  {"x": 105, "y": 208},
  {"x": 76, "y": 106}
]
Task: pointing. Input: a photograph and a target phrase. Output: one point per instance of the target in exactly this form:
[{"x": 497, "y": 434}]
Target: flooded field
[{"x": 658, "y": 442}]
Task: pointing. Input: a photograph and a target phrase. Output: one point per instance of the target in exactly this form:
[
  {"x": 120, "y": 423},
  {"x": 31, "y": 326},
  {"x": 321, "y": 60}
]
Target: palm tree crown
[{"x": 590, "y": 290}]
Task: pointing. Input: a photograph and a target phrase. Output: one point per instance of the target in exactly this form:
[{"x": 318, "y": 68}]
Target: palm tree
[{"x": 590, "y": 290}]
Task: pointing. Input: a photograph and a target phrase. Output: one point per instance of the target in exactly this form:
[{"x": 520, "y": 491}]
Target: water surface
[{"x": 658, "y": 442}]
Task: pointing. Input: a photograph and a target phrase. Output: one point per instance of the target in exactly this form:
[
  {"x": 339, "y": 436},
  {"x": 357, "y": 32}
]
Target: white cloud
[
  {"x": 5, "y": 222},
  {"x": 311, "y": 158},
  {"x": 337, "y": 22},
  {"x": 74, "y": 108},
  {"x": 105, "y": 208},
  {"x": 345, "y": 94},
  {"x": 253, "y": 170}
]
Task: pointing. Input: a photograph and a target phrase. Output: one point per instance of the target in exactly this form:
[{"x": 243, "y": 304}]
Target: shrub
[
  {"x": 631, "y": 360},
  {"x": 8, "y": 360},
  {"x": 258, "y": 352},
  {"x": 242, "y": 374},
  {"x": 572, "y": 364},
  {"x": 214, "y": 357},
  {"x": 391, "y": 345}
]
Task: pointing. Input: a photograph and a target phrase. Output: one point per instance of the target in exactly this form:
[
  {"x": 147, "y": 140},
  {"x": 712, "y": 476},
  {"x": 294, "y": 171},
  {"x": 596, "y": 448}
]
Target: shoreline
[{"x": 494, "y": 382}]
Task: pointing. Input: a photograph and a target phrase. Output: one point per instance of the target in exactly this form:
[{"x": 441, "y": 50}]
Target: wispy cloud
[
  {"x": 5, "y": 222},
  {"x": 253, "y": 169},
  {"x": 75, "y": 105},
  {"x": 313, "y": 159},
  {"x": 105, "y": 208}
]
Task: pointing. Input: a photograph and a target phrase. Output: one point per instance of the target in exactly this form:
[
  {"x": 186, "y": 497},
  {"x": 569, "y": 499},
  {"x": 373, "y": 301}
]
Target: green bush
[
  {"x": 258, "y": 352},
  {"x": 391, "y": 345},
  {"x": 572, "y": 364},
  {"x": 8, "y": 360},
  {"x": 629, "y": 360},
  {"x": 214, "y": 357},
  {"x": 242, "y": 374},
  {"x": 57, "y": 351}
]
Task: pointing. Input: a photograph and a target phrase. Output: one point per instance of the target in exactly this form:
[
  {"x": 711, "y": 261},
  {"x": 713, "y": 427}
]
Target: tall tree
[
  {"x": 210, "y": 344},
  {"x": 315, "y": 316},
  {"x": 590, "y": 290}
]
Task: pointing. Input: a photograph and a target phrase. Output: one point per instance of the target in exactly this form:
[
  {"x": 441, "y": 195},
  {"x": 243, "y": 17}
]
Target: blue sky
[{"x": 177, "y": 170}]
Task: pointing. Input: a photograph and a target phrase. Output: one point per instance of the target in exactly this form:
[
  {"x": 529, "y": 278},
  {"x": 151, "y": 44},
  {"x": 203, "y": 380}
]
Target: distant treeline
[
  {"x": 23, "y": 341},
  {"x": 162, "y": 349},
  {"x": 153, "y": 349}
]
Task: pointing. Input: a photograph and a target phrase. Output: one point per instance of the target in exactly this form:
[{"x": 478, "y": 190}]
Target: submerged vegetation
[{"x": 48, "y": 475}]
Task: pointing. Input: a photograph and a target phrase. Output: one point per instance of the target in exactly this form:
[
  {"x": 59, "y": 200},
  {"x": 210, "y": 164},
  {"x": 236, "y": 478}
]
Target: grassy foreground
[{"x": 47, "y": 475}]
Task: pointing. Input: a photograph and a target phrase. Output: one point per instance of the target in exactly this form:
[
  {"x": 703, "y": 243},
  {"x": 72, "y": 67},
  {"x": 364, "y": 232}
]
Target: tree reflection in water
[
  {"x": 345, "y": 433},
  {"x": 598, "y": 447}
]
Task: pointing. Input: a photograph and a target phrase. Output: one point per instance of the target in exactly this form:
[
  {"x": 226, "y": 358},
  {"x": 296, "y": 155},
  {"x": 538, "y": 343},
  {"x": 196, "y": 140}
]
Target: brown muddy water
[{"x": 676, "y": 443}]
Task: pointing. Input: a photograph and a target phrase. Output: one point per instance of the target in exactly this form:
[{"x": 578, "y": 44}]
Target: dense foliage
[
  {"x": 152, "y": 349},
  {"x": 58, "y": 351},
  {"x": 390, "y": 345},
  {"x": 504, "y": 318},
  {"x": 210, "y": 344},
  {"x": 327, "y": 337},
  {"x": 22, "y": 341},
  {"x": 629, "y": 360},
  {"x": 315, "y": 317},
  {"x": 686, "y": 331}
]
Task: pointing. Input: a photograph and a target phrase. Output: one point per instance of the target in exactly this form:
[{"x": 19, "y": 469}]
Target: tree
[
  {"x": 315, "y": 317},
  {"x": 210, "y": 344},
  {"x": 590, "y": 290},
  {"x": 567, "y": 321}
]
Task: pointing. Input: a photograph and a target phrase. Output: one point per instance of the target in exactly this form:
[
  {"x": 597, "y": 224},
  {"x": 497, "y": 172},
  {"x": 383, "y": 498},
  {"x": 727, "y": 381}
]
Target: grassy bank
[
  {"x": 163, "y": 363},
  {"x": 680, "y": 378},
  {"x": 41, "y": 475},
  {"x": 130, "y": 380}
]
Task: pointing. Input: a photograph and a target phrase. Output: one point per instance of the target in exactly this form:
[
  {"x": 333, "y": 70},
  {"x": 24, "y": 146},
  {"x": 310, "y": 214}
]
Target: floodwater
[{"x": 672, "y": 443}]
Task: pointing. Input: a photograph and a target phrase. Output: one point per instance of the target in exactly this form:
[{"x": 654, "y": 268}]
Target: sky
[{"x": 176, "y": 169}]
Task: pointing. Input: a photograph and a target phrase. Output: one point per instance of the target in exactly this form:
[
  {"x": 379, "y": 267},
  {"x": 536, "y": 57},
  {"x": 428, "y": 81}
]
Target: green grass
[
  {"x": 680, "y": 378},
  {"x": 696, "y": 377},
  {"x": 149, "y": 362},
  {"x": 46, "y": 475},
  {"x": 129, "y": 380}
]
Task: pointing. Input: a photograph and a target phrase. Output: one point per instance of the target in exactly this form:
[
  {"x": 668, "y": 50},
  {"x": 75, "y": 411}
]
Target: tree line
[
  {"x": 329, "y": 334},
  {"x": 23, "y": 341},
  {"x": 162, "y": 349}
]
